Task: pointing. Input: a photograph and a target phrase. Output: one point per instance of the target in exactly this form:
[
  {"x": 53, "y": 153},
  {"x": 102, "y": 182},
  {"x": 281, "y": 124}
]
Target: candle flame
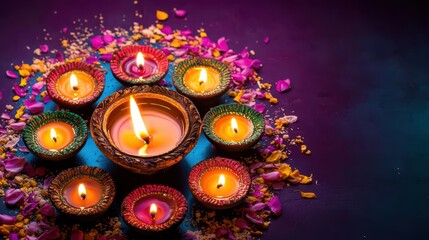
[
  {"x": 73, "y": 82},
  {"x": 138, "y": 124},
  {"x": 140, "y": 60},
  {"x": 234, "y": 125},
  {"x": 53, "y": 135},
  {"x": 82, "y": 191},
  {"x": 153, "y": 210},
  {"x": 203, "y": 76},
  {"x": 142, "y": 150},
  {"x": 221, "y": 181}
]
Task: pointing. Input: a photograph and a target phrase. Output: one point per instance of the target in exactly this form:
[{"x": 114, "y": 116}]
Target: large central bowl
[{"x": 169, "y": 102}]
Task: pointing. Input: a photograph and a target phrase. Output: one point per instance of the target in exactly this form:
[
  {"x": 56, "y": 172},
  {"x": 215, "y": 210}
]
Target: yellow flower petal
[
  {"x": 274, "y": 156},
  {"x": 285, "y": 171},
  {"x": 309, "y": 195},
  {"x": 306, "y": 179},
  {"x": 161, "y": 15}
]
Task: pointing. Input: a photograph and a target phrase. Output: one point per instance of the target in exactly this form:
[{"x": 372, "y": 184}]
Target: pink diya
[{"x": 137, "y": 65}]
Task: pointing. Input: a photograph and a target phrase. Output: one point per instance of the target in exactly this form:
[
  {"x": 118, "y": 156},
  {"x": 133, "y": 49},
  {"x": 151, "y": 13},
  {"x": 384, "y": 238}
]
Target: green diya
[
  {"x": 202, "y": 78},
  {"x": 233, "y": 127},
  {"x": 55, "y": 135}
]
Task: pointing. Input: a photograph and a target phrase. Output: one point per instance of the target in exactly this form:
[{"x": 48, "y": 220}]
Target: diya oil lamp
[
  {"x": 55, "y": 135},
  {"x": 146, "y": 129},
  {"x": 75, "y": 84},
  {"x": 136, "y": 65},
  {"x": 219, "y": 183},
  {"x": 233, "y": 127},
  {"x": 83, "y": 192},
  {"x": 202, "y": 79},
  {"x": 154, "y": 209}
]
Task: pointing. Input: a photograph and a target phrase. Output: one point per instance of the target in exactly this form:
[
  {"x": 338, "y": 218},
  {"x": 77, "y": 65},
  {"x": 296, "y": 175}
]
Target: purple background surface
[{"x": 359, "y": 87}]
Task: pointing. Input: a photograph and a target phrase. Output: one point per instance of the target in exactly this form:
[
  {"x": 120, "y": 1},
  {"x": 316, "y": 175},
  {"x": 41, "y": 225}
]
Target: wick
[
  {"x": 75, "y": 88},
  {"x": 219, "y": 185},
  {"x": 153, "y": 215},
  {"x": 201, "y": 82},
  {"x": 83, "y": 196},
  {"x": 236, "y": 130},
  {"x": 146, "y": 140},
  {"x": 55, "y": 139}
]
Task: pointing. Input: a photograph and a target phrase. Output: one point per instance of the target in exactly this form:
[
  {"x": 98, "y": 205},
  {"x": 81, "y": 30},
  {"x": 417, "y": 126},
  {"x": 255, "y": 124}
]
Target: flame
[
  {"x": 221, "y": 181},
  {"x": 140, "y": 60},
  {"x": 142, "y": 150},
  {"x": 138, "y": 124},
  {"x": 53, "y": 135},
  {"x": 203, "y": 76},
  {"x": 234, "y": 125},
  {"x": 82, "y": 191},
  {"x": 153, "y": 210},
  {"x": 73, "y": 82}
]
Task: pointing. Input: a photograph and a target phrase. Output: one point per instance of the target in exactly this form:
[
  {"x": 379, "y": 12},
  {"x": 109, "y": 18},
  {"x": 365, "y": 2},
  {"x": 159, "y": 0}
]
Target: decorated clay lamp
[
  {"x": 55, "y": 135},
  {"x": 75, "y": 85},
  {"x": 219, "y": 183},
  {"x": 83, "y": 192},
  {"x": 137, "y": 65},
  {"x": 154, "y": 209},
  {"x": 202, "y": 79},
  {"x": 146, "y": 129},
  {"x": 233, "y": 127}
]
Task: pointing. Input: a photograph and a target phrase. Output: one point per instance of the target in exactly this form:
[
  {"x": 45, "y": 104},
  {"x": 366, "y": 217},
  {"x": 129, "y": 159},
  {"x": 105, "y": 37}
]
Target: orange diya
[
  {"x": 75, "y": 85},
  {"x": 83, "y": 192},
  {"x": 219, "y": 183}
]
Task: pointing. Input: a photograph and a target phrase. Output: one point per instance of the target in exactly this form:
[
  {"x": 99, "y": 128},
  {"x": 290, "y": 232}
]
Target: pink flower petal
[
  {"x": 248, "y": 72},
  {"x": 254, "y": 219},
  {"x": 283, "y": 85},
  {"x": 6, "y": 219},
  {"x": 59, "y": 56},
  {"x": 47, "y": 210},
  {"x": 44, "y": 48},
  {"x": 65, "y": 30},
  {"x": 167, "y": 30},
  {"x": 266, "y": 40},
  {"x": 14, "y": 164},
  {"x": 96, "y": 42},
  {"x": 241, "y": 223},
  {"x": 23, "y": 149},
  {"x": 19, "y": 91},
  {"x": 29, "y": 170},
  {"x": 13, "y": 196},
  {"x": 106, "y": 57},
  {"x": 33, "y": 228},
  {"x": 41, "y": 171},
  {"x": 238, "y": 79},
  {"x": 11, "y": 74},
  {"x": 222, "y": 45},
  {"x": 47, "y": 182},
  {"x": 30, "y": 238},
  {"x": 258, "y": 207},
  {"x": 255, "y": 166},
  {"x": 29, "y": 208},
  {"x": 271, "y": 176},
  {"x": 91, "y": 59},
  {"x": 186, "y": 32},
  {"x": 275, "y": 205},
  {"x": 18, "y": 126},
  {"x": 230, "y": 59},
  {"x": 34, "y": 107},
  {"x": 180, "y": 13},
  {"x": 259, "y": 107},
  {"x": 13, "y": 236},
  {"x": 5, "y": 116},
  {"x": 279, "y": 185},
  {"x": 108, "y": 39},
  {"x": 52, "y": 233},
  {"x": 37, "y": 87},
  {"x": 206, "y": 42},
  {"x": 77, "y": 235}
]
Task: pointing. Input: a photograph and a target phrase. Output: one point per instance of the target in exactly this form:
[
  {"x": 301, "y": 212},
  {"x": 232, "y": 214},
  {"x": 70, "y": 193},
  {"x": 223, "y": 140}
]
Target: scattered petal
[
  {"x": 6, "y": 219},
  {"x": 13, "y": 196},
  {"x": 28, "y": 209},
  {"x": 309, "y": 195},
  {"x": 108, "y": 39},
  {"x": 18, "y": 126},
  {"x": 275, "y": 205},
  {"x": 271, "y": 176},
  {"x": 14, "y": 164},
  {"x": 34, "y": 107},
  {"x": 29, "y": 170},
  {"x": 283, "y": 85},
  {"x": 44, "y": 48},
  {"x": 161, "y": 15},
  {"x": 11, "y": 74},
  {"x": 19, "y": 91},
  {"x": 41, "y": 171},
  {"x": 254, "y": 219},
  {"x": 91, "y": 59},
  {"x": 259, "y": 107},
  {"x": 96, "y": 42},
  {"x": 13, "y": 236},
  {"x": 180, "y": 13},
  {"x": 241, "y": 223},
  {"x": 47, "y": 182},
  {"x": 223, "y": 46},
  {"x": 258, "y": 207},
  {"x": 33, "y": 228},
  {"x": 77, "y": 235},
  {"x": 47, "y": 210},
  {"x": 59, "y": 56},
  {"x": 52, "y": 233},
  {"x": 266, "y": 40}
]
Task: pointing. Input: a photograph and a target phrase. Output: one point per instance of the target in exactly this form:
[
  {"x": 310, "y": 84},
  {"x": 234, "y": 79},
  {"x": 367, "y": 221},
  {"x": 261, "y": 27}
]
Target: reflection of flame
[
  {"x": 73, "y": 82},
  {"x": 153, "y": 210},
  {"x": 82, "y": 191},
  {"x": 53, "y": 135},
  {"x": 140, "y": 60},
  {"x": 142, "y": 150},
  {"x": 234, "y": 125},
  {"x": 221, "y": 181},
  {"x": 203, "y": 76},
  {"x": 138, "y": 124}
]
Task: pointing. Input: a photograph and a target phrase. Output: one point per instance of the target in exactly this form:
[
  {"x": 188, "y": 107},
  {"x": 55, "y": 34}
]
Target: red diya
[
  {"x": 154, "y": 209},
  {"x": 219, "y": 183},
  {"x": 75, "y": 84},
  {"x": 136, "y": 65},
  {"x": 83, "y": 192}
]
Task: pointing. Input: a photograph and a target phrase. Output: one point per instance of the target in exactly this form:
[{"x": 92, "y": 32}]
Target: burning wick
[
  {"x": 153, "y": 210},
  {"x": 82, "y": 191},
  {"x": 221, "y": 181},
  {"x": 53, "y": 135},
  {"x": 234, "y": 125},
  {"x": 138, "y": 124},
  {"x": 203, "y": 76},
  {"x": 73, "y": 82},
  {"x": 140, "y": 60}
]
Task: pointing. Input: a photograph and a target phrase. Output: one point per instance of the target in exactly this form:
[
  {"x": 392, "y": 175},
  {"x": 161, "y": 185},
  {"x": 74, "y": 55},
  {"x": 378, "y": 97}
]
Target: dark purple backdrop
[{"x": 360, "y": 89}]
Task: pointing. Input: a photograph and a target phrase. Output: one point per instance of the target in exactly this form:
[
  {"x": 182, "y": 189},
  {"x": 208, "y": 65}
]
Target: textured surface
[{"x": 359, "y": 86}]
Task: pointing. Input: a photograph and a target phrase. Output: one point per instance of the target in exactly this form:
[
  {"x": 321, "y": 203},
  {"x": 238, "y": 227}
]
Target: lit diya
[
  {"x": 146, "y": 129},
  {"x": 202, "y": 79},
  {"x": 75, "y": 84},
  {"x": 55, "y": 135},
  {"x": 136, "y": 65},
  {"x": 83, "y": 192},
  {"x": 154, "y": 208},
  {"x": 233, "y": 127},
  {"x": 219, "y": 183}
]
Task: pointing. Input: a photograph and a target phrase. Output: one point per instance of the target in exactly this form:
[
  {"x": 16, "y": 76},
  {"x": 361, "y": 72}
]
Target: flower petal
[
  {"x": 108, "y": 39},
  {"x": 18, "y": 126},
  {"x": 258, "y": 207},
  {"x": 275, "y": 205},
  {"x": 34, "y": 107},
  {"x": 47, "y": 182},
  {"x": 271, "y": 176},
  {"x": 47, "y": 210},
  {"x": 52, "y": 233},
  {"x": 13, "y": 196},
  {"x": 260, "y": 107},
  {"x": 96, "y": 42},
  {"x": 266, "y": 40},
  {"x": 283, "y": 85},
  {"x": 180, "y": 13},
  {"x": 222, "y": 45},
  {"x": 161, "y": 15},
  {"x": 91, "y": 59},
  {"x": 167, "y": 30},
  {"x": 59, "y": 56},
  {"x": 13, "y": 236},
  {"x": 14, "y": 164},
  {"x": 41, "y": 171},
  {"x": 6, "y": 219},
  {"x": 29, "y": 170},
  {"x": 11, "y": 74},
  {"x": 33, "y": 228},
  {"x": 309, "y": 195},
  {"x": 19, "y": 91},
  {"x": 37, "y": 87},
  {"x": 44, "y": 48},
  {"x": 241, "y": 223},
  {"x": 254, "y": 219},
  {"x": 28, "y": 209},
  {"x": 77, "y": 235}
]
